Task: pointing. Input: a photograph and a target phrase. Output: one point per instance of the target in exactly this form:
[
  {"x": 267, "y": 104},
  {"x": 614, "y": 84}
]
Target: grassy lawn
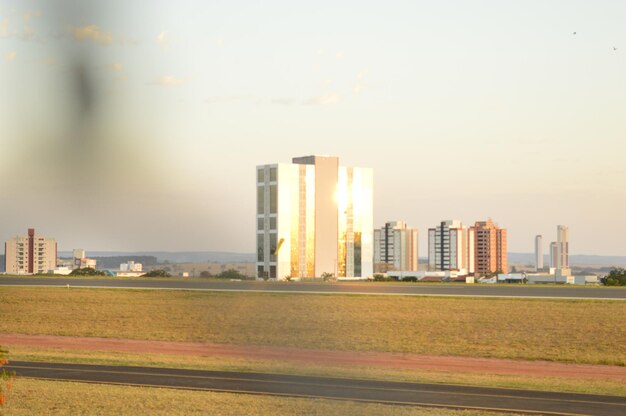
[
  {"x": 34, "y": 397},
  {"x": 609, "y": 387},
  {"x": 560, "y": 330}
]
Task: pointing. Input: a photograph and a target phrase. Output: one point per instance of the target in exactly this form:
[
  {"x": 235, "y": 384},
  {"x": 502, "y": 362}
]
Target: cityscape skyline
[{"x": 520, "y": 118}]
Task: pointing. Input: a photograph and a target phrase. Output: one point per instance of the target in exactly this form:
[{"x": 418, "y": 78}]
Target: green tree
[
  {"x": 157, "y": 273},
  {"x": 616, "y": 277},
  {"x": 327, "y": 276},
  {"x": 87, "y": 271},
  {"x": 231, "y": 274}
]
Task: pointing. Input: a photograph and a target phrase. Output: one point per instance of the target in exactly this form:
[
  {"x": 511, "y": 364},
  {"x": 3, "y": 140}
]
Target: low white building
[
  {"x": 131, "y": 266},
  {"x": 511, "y": 277},
  {"x": 62, "y": 270}
]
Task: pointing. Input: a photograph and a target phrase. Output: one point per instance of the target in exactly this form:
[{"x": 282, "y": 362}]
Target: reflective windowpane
[
  {"x": 273, "y": 174},
  {"x": 273, "y": 199},
  {"x": 260, "y": 199},
  {"x": 259, "y": 248},
  {"x": 272, "y": 246},
  {"x": 260, "y": 175}
]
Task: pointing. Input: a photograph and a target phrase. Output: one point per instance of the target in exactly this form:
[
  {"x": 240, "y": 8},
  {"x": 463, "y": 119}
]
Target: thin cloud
[
  {"x": 29, "y": 14},
  {"x": 283, "y": 101},
  {"x": 10, "y": 56},
  {"x": 91, "y": 32},
  {"x": 360, "y": 83},
  {"x": 224, "y": 99},
  {"x": 170, "y": 81},
  {"x": 163, "y": 40},
  {"x": 48, "y": 61},
  {"x": 4, "y": 28},
  {"x": 325, "y": 99}
]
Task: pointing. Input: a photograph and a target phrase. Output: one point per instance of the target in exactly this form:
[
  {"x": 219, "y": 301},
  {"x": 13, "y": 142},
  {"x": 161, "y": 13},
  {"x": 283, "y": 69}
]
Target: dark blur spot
[{"x": 83, "y": 88}]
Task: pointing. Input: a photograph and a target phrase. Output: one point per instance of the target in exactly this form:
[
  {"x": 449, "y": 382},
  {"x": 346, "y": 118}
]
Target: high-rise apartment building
[
  {"x": 562, "y": 247},
  {"x": 554, "y": 254},
  {"x": 451, "y": 247},
  {"x": 538, "y": 252},
  {"x": 395, "y": 247},
  {"x": 490, "y": 248},
  {"x": 30, "y": 254},
  {"x": 314, "y": 217}
]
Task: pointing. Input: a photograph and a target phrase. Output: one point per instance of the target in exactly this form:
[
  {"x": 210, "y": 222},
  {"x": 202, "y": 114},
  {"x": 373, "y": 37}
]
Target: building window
[
  {"x": 273, "y": 223},
  {"x": 273, "y": 174},
  {"x": 273, "y": 272},
  {"x": 260, "y": 224},
  {"x": 272, "y": 247},
  {"x": 260, "y": 248},
  {"x": 260, "y": 175},
  {"x": 260, "y": 199},
  {"x": 357, "y": 254},
  {"x": 273, "y": 199}
]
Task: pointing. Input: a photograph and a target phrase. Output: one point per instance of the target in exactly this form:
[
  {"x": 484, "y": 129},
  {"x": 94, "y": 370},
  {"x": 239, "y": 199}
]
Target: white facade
[
  {"x": 554, "y": 255},
  {"x": 131, "y": 266},
  {"x": 450, "y": 247},
  {"x": 562, "y": 247},
  {"x": 396, "y": 246},
  {"x": 314, "y": 218},
  {"x": 538, "y": 252}
]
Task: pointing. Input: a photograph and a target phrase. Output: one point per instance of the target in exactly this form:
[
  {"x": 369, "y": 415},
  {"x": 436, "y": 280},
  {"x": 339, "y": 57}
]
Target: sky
[{"x": 137, "y": 126}]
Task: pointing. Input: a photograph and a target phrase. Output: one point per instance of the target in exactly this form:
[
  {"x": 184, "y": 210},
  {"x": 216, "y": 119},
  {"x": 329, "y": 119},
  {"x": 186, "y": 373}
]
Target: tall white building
[
  {"x": 562, "y": 247},
  {"x": 30, "y": 254},
  {"x": 395, "y": 247},
  {"x": 538, "y": 252},
  {"x": 314, "y": 217},
  {"x": 451, "y": 247},
  {"x": 554, "y": 255}
]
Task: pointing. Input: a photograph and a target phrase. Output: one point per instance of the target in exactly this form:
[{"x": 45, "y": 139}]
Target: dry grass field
[
  {"x": 38, "y": 397},
  {"x": 560, "y": 330}
]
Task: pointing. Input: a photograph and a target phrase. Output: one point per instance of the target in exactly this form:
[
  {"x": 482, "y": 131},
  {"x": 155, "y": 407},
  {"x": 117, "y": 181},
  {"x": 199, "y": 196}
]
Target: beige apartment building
[
  {"x": 395, "y": 248},
  {"x": 451, "y": 247},
  {"x": 490, "y": 248},
  {"x": 30, "y": 254}
]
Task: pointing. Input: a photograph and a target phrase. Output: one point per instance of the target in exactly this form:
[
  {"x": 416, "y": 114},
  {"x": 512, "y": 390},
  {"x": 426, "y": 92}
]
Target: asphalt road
[
  {"x": 437, "y": 395},
  {"x": 421, "y": 289}
]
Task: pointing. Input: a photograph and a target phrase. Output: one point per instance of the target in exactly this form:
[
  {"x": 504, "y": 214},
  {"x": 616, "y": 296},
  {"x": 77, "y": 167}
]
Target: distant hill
[
  {"x": 113, "y": 258},
  {"x": 175, "y": 257},
  {"x": 576, "y": 259}
]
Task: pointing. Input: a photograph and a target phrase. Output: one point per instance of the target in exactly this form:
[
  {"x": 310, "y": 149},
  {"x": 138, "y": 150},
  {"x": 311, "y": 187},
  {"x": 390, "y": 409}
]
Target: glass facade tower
[{"x": 314, "y": 217}]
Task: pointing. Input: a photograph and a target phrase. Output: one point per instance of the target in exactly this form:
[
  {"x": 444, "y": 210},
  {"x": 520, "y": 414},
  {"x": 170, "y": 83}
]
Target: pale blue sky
[{"x": 465, "y": 110}]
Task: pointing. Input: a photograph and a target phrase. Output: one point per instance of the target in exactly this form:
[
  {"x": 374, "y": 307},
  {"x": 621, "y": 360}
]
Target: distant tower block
[
  {"x": 562, "y": 247},
  {"x": 538, "y": 252}
]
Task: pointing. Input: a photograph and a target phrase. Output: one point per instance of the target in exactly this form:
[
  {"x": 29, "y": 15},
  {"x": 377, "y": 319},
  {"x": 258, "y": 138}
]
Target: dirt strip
[{"x": 341, "y": 358}]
